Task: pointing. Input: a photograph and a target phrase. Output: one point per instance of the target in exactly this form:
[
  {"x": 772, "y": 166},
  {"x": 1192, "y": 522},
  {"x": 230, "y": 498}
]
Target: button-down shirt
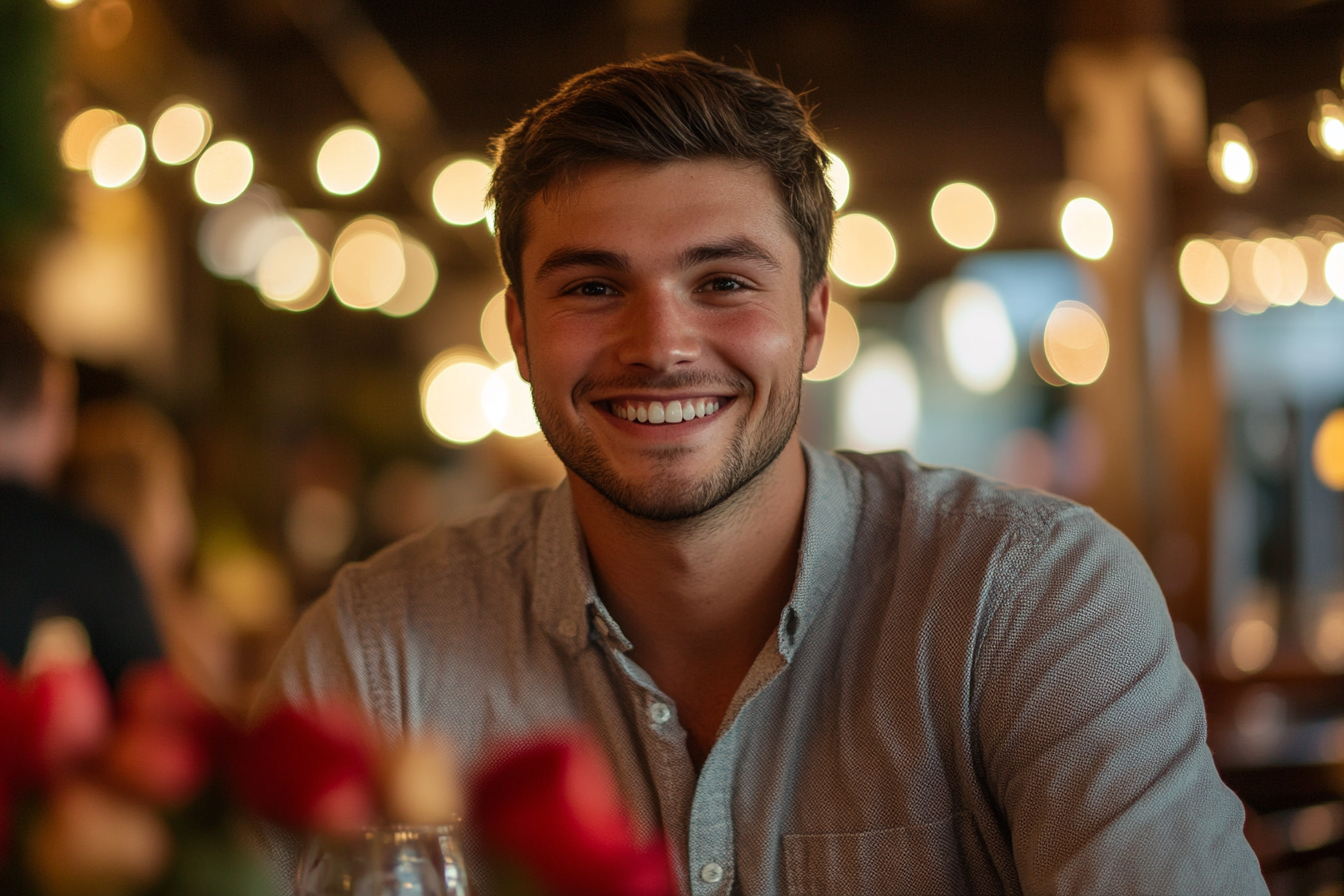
[{"x": 973, "y": 688}]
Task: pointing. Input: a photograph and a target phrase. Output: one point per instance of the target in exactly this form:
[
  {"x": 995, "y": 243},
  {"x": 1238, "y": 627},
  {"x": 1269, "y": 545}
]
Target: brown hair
[{"x": 663, "y": 109}]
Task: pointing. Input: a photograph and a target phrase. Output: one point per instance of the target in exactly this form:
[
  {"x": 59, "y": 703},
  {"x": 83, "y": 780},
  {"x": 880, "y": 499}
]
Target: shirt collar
[{"x": 567, "y": 605}]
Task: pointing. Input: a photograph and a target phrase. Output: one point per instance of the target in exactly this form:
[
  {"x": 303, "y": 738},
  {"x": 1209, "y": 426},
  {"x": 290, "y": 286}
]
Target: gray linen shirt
[{"x": 974, "y": 688}]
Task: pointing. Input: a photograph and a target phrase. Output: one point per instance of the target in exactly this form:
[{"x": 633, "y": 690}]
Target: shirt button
[
  {"x": 711, "y": 873},
  {"x": 660, "y": 713}
]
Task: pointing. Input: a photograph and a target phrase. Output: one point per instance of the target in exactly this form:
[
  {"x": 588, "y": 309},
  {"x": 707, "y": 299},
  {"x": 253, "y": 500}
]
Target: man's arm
[{"x": 1092, "y": 730}]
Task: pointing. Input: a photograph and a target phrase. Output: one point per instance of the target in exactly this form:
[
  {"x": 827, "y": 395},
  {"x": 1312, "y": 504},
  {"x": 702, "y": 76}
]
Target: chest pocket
[{"x": 921, "y": 860}]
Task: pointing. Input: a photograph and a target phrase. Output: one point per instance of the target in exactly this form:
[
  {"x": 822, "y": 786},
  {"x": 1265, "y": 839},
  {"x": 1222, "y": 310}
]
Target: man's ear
[
  {"x": 513, "y": 315},
  {"x": 818, "y": 306}
]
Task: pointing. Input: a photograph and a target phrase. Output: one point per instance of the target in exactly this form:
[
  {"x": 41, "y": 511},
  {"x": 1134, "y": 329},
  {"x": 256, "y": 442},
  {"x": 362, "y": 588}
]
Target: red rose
[
  {"x": 54, "y": 721},
  {"x": 307, "y": 768},
  {"x": 162, "y": 763},
  {"x": 155, "y": 692},
  {"x": 552, "y": 808}
]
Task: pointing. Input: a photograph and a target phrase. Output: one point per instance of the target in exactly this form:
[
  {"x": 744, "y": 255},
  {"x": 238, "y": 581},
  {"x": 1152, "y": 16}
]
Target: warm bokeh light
[
  {"x": 1313, "y": 252},
  {"x": 109, "y": 23},
  {"x": 1327, "y": 451},
  {"x": 347, "y": 160},
  {"x": 1325, "y": 642},
  {"x": 118, "y": 157},
  {"x": 1075, "y": 343},
  {"x": 507, "y": 402},
  {"x": 64, "y": 4},
  {"x": 963, "y": 215},
  {"x": 180, "y": 133},
  {"x": 422, "y": 275},
  {"x": 1326, "y": 127},
  {"x": 233, "y": 237},
  {"x": 495, "y": 329},
  {"x": 459, "y": 191},
  {"x": 450, "y": 396},
  {"x": 837, "y": 176},
  {"x": 839, "y": 347},
  {"x": 1246, "y": 292},
  {"x": 1231, "y": 159},
  {"x": 223, "y": 172},
  {"x": 1086, "y": 227},
  {"x": 863, "y": 252},
  {"x": 1252, "y": 644},
  {"x": 293, "y": 273},
  {"x": 1334, "y": 269},
  {"x": 368, "y": 264},
  {"x": 81, "y": 134},
  {"x": 978, "y": 337},
  {"x": 1280, "y": 271},
  {"x": 1204, "y": 271},
  {"x": 879, "y": 400}
]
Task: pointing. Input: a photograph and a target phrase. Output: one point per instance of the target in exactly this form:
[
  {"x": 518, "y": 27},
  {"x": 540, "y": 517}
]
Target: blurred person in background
[
  {"x": 56, "y": 565},
  {"x": 129, "y": 469}
]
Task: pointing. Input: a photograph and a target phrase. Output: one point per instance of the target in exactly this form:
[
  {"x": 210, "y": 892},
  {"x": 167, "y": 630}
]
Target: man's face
[{"x": 662, "y": 294}]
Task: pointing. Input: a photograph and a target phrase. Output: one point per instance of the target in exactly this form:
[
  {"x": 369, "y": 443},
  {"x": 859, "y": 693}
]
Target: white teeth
[{"x": 671, "y": 412}]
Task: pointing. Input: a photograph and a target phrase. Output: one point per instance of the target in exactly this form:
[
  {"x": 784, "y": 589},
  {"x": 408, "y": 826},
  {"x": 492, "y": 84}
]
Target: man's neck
[{"x": 699, "y": 598}]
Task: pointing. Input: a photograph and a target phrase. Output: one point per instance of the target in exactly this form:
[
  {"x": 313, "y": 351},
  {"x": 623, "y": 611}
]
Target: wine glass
[{"x": 405, "y": 860}]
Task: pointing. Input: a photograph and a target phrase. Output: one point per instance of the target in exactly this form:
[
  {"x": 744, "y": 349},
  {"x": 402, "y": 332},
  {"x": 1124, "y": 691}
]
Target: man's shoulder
[
  {"x": 498, "y": 538},
  {"x": 928, "y": 494}
]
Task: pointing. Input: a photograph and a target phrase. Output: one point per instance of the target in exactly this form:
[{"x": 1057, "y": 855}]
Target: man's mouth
[{"x": 656, "y": 412}]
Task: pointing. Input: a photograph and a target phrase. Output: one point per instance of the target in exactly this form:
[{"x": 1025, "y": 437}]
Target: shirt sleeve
[{"x": 1092, "y": 730}]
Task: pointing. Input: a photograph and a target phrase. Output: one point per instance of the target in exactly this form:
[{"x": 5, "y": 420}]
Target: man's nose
[{"x": 659, "y": 331}]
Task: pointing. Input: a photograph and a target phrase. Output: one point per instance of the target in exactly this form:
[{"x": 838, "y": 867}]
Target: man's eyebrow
[
  {"x": 740, "y": 247},
  {"x": 561, "y": 259}
]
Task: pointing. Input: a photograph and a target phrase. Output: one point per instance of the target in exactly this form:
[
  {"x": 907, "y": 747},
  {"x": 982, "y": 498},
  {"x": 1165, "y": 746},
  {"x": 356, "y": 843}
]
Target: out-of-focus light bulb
[
  {"x": 1326, "y": 127},
  {"x": 1075, "y": 343},
  {"x": 450, "y": 396},
  {"x": 507, "y": 402},
  {"x": 837, "y": 176},
  {"x": 863, "y": 252},
  {"x": 422, "y": 275},
  {"x": 978, "y": 337},
  {"x": 1231, "y": 159},
  {"x": 963, "y": 215},
  {"x": 292, "y": 273},
  {"x": 223, "y": 172},
  {"x": 64, "y": 4},
  {"x": 81, "y": 135},
  {"x": 879, "y": 400},
  {"x": 118, "y": 157},
  {"x": 495, "y": 329},
  {"x": 368, "y": 263},
  {"x": 1334, "y": 269},
  {"x": 459, "y": 191},
  {"x": 1327, "y": 451},
  {"x": 1086, "y": 227},
  {"x": 180, "y": 133},
  {"x": 1204, "y": 271},
  {"x": 347, "y": 160},
  {"x": 1280, "y": 271}
]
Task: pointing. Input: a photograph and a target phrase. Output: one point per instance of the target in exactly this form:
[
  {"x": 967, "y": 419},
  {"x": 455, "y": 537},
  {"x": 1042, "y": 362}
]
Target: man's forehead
[{"x": 591, "y": 195}]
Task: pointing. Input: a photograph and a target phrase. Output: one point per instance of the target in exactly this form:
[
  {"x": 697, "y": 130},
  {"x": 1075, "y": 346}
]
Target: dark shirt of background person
[{"x": 53, "y": 560}]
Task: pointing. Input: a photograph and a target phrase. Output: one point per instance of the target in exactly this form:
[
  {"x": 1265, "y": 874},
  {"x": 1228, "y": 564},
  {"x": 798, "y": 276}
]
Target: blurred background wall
[{"x": 1084, "y": 246}]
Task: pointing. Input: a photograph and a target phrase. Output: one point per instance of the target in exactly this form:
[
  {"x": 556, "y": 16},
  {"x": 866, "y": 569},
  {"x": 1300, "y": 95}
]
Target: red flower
[
  {"x": 53, "y": 722},
  {"x": 164, "y": 764},
  {"x": 552, "y": 808},
  {"x": 307, "y": 768}
]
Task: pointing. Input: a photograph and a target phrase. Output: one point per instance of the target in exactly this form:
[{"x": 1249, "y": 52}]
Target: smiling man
[{"x": 819, "y": 673}]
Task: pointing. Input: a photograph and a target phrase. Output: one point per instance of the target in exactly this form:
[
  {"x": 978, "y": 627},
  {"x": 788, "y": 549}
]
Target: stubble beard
[{"x": 665, "y": 497}]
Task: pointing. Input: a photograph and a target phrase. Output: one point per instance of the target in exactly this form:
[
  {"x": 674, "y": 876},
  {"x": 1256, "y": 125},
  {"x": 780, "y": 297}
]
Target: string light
[
  {"x": 118, "y": 157},
  {"x": 180, "y": 133},
  {"x": 1204, "y": 272},
  {"x": 1231, "y": 160},
  {"x": 223, "y": 172},
  {"x": 459, "y": 190},
  {"x": 863, "y": 252},
  {"x": 347, "y": 160},
  {"x": 1086, "y": 227},
  {"x": 963, "y": 215},
  {"x": 838, "y": 178},
  {"x": 839, "y": 346}
]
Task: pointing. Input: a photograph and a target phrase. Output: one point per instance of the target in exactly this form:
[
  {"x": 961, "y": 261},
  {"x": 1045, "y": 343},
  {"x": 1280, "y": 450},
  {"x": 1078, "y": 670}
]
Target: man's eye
[
  {"x": 594, "y": 289},
  {"x": 724, "y": 284}
]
